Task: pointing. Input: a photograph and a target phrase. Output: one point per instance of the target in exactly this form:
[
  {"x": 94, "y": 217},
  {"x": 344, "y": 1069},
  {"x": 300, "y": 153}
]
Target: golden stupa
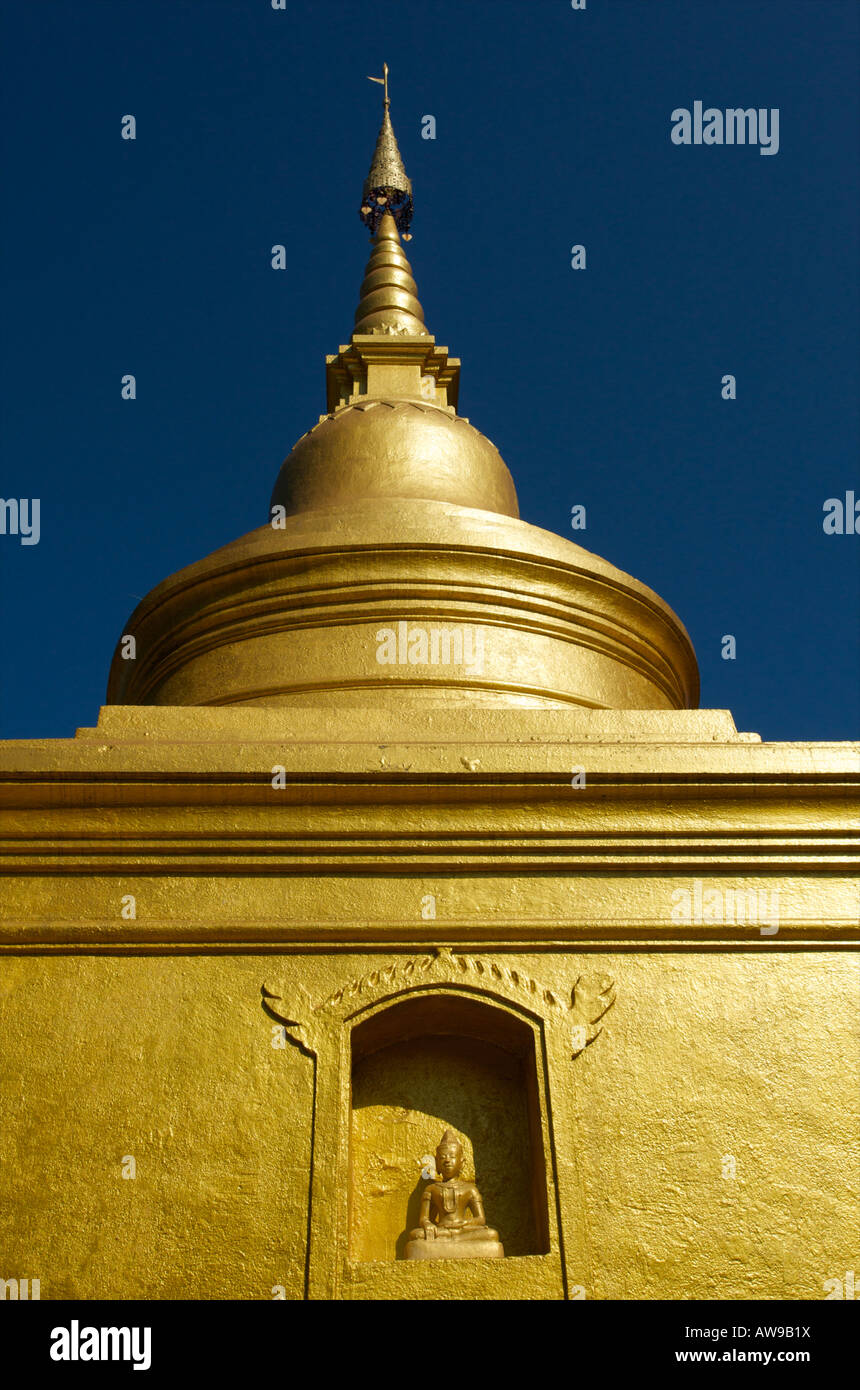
[{"x": 401, "y": 818}]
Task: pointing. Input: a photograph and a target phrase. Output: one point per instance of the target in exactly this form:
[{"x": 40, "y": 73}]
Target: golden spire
[
  {"x": 389, "y": 302},
  {"x": 386, "y": 188}
]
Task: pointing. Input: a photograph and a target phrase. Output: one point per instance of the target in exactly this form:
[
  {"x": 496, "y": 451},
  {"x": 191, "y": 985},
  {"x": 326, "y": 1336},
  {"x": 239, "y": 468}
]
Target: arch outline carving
[{"x": 561, "y": 1028}]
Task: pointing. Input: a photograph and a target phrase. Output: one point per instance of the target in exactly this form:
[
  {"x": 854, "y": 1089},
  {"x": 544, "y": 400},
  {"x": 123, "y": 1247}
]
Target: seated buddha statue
[{"x": 447, "y": 1230}]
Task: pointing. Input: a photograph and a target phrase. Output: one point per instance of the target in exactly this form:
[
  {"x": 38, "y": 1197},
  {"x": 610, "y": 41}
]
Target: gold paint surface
[
  {"x": 169, "y": 1059},
  {"x": 393, "y": 448},
  {"x": 146, "y": 1037}
]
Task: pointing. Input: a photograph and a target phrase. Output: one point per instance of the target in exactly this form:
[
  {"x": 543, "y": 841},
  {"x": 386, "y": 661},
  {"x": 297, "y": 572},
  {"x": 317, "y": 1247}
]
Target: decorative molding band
[{"x": 167, "y": 936}]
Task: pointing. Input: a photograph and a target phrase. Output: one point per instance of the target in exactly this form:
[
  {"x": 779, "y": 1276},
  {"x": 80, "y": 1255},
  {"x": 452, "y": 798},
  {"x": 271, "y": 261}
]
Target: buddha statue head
[{"x": 449, "y": 1156}]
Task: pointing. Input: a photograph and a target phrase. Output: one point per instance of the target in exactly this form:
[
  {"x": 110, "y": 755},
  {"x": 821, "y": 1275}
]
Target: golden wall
[{"x": 318, "y": 978}]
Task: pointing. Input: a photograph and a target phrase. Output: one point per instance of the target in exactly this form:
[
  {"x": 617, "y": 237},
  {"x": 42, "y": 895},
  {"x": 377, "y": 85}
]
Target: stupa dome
[
  {"x": 395, "y": 566},
  {"x": 294, "y": 615},
  {"x": 394, "y": 449}
]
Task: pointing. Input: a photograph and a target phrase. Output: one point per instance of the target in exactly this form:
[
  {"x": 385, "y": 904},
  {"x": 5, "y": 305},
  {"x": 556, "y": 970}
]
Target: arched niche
[{"x": 418, "y": 1066}]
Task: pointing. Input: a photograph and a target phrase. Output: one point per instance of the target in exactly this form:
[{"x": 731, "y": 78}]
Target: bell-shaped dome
[{"x": 421, "y": 600}]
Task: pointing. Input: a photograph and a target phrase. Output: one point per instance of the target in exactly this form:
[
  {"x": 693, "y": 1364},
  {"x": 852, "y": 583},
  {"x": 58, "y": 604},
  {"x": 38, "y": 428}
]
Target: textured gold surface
[
  {"x": 169, "y": 1059},
  {"x": 145, "y": 1037}
]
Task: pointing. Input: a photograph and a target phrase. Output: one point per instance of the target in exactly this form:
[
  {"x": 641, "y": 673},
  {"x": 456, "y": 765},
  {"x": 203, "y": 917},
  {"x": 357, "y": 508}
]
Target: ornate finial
[
  {"x": 386, "y": 188},
  {"x": 384, "y": 80}
]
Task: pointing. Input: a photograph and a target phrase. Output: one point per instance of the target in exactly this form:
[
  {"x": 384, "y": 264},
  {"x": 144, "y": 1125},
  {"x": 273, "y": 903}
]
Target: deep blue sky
[{"x": 602, "y": 387}]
